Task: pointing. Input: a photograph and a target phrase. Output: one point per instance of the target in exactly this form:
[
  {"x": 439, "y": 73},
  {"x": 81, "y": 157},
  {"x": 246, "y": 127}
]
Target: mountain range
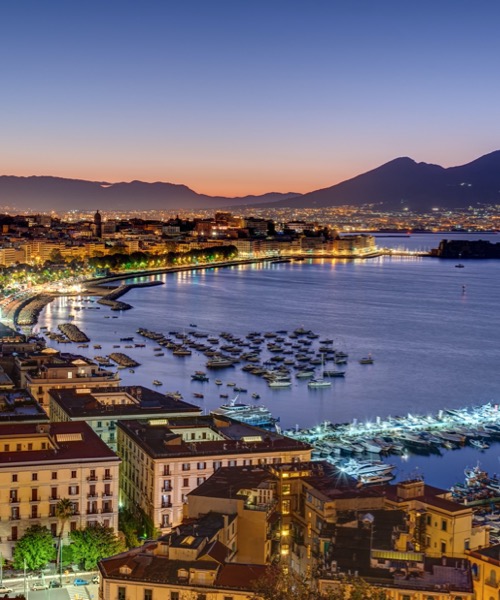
[{"x": 400, "y": 183}]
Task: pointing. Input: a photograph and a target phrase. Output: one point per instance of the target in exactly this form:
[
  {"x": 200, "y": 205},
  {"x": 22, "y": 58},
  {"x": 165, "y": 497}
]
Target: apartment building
[
  {"x": 43, "y": 463},
  {"x": 101, "y": 408},
  {"x": 186, "y": 568},
  {"x": 164, "y": 460},
  {"x": 67, "y": 372}
]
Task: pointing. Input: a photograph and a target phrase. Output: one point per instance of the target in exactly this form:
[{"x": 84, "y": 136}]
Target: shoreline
[{"x": 24, "y": 313}]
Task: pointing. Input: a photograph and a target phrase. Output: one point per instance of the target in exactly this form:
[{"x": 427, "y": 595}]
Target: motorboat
[{"x": 318, "y": 383}]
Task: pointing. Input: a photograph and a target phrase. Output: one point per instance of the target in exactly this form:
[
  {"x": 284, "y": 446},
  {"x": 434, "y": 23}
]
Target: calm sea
[{"x": 432, "y": 329}]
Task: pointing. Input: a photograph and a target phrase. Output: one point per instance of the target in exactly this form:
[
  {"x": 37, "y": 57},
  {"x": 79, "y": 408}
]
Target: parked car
[
  {"x": 79, "y": 581},
  {"x": 5, "y": 590},
  {"x": 54, "y": 583},
  {"x": 95, "y": 579},
  {"x": 39, "y": 586}
]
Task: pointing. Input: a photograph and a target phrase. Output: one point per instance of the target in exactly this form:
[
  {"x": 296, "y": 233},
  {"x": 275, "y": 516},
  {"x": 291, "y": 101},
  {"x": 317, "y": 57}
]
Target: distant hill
[
  {"x": 59, "y": 194},
  {"x": 404, "y": 183},
  {"x": 400, "y": 183}
]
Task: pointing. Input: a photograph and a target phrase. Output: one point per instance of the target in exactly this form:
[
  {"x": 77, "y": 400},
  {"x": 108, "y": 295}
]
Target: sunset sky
[{"x": 238, "y": 97}]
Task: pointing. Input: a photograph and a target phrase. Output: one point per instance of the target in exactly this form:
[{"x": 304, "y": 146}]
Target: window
[
  {"x": 228, "y": 598},
  {"x": 201, "y": 597},
  {"x": 148, "y": 594},
  {"x": 73, "y": 474},
  {"x": 18, "y": 447},
  {"x": 6, "y": 448},
  {"x": 34, "y": 476},
  {"x": 53, "y": 529},
  {"x": 217, "y": 464},
  {"x": 231, "y": 463},
  {"x": 73, "y": 490},
  {"x": 121, "y": 593},
  {"x": 174, "y": 595},
  {"x": 199, "y": 480},
  {"x": 30, "y": 446},
  {"x": 186, "y": 466},
  {"x": 428, "y": 519},
  {"x": 202, "y": 465},
  {"x": 444, "y": 525},
  {"x": 34, "y": 495},
  {"x": 34, "y": 511},
  {"x": 443, "y": 547},
  {"x": 13, "y": 533},
  {"x": 54, "y": 474},
  {"x": 164, "y": 521},
  {"x": 14, "y": 478},
  {"x": 185, "y": 482}
]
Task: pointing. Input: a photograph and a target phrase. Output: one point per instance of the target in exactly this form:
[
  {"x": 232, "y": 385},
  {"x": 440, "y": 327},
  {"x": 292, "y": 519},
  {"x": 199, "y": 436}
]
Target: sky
[{"x": 236, "y": 97}]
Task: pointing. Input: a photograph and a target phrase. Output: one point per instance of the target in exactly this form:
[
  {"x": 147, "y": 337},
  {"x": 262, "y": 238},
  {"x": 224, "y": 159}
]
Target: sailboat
[{"x": 319, "y": 382}]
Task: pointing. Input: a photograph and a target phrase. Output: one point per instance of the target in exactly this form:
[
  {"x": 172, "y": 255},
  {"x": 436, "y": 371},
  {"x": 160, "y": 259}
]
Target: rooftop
[
  {"x": 222, "y": 436},
  {"x": 18, "y": 405},
  {"x": 51, "y": 443},
  {"x": 123, "y": 402}
]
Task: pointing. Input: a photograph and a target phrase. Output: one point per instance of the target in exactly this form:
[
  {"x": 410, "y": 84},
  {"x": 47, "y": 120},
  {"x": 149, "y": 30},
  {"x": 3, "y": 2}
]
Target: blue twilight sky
[{"x": 235, "y": 97}]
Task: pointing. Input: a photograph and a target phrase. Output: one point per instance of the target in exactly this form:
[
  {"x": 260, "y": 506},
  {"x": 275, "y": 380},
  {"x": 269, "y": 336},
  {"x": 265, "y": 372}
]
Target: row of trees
[
  {"x": 35, "y": 549},
  {"x": 146, "y": 260}
]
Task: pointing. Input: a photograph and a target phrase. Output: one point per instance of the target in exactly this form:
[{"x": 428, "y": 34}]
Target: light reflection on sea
[{"x": 434, "y": 341}]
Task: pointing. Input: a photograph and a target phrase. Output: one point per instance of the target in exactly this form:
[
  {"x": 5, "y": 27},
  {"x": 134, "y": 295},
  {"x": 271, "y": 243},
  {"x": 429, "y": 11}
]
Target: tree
[
  {"x": 93, "y": 543},
  {"x": 279, "y": 583},
  {"x": 35, "y": 548},
  {"x": 64, "y": 509}
]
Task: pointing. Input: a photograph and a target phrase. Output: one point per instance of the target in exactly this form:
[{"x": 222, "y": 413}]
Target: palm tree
[{"x": 64, "y": 510}]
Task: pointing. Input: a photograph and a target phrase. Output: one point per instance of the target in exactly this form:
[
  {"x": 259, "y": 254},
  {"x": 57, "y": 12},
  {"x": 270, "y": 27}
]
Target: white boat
[
  {"x": 374, "y": 479},
  {"x": 304, "y": 374},
  {"x": 367, "y": 360},
  {"x": 157, "y": 382},
  {"x": 482, "y": 445},
  {"x": 319, "y": 383},
  {"x": 279, "y": 383}
]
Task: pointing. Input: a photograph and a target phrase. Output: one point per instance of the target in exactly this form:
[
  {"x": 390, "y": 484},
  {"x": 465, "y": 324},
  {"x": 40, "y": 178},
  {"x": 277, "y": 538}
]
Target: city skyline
[{"x": 235, "y": 99}]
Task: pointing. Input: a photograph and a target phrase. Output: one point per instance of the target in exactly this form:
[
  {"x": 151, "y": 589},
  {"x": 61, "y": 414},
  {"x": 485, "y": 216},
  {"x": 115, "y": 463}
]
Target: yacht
[
  {"x": 279, "y": 383},
  {"x": 218, "y": 362}
]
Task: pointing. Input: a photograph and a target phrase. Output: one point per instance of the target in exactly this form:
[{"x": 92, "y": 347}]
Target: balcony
[
  {"x": 93, "y": 495},
  {"x": 494, "y": 583},
  {"x": 166, "y": 504},
  {"x": 107, "y": 495},
  {"x": 37, "y": 499},
  {"x": 107, "y": 477},
  {"x": 92, "y": 478},
  {"x": 15, "y": 518},
  {"x": 165, "y": 490},
  {"x": 93, "y": 512},
  {"x": 14, "y": 500},
  {"x": 54, "y": 498}
]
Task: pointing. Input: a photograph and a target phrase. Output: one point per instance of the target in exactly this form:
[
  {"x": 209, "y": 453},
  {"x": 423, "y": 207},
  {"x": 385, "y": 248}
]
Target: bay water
[{"x": 432, "y": 329}]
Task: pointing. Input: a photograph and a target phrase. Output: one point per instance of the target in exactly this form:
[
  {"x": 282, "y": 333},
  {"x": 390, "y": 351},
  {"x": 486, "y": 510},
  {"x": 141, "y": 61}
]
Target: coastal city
[
  {"x": 129, "y": 492},
  {"x": 249, "y": 291}
]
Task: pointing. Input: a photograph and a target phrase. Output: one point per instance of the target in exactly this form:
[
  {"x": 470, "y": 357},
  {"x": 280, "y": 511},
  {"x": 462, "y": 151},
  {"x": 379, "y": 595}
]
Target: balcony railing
[
  {"x": 93, "y": 495},
  {"x": 494, "y": 583},
  {"x": 166, "y": 504},
  {"x": 14, "y": 500},
  {"x": 107, "y": 494},
  {"x": 92, "y": 478}
]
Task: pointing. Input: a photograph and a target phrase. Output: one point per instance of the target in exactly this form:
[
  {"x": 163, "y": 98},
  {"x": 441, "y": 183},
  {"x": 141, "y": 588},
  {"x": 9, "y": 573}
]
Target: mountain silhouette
[
  {"x": 399, "y": 184},
  {"x": 59, "y": 194},
  {"x": 404, "y": 183}
]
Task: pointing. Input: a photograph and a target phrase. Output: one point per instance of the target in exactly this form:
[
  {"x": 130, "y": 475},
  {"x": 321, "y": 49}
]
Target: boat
[
  {"x": 333, "y": 373},
  {"x": 304, "y": 374},
  {"x": 259, "y": 416},
  {"x": 126, "y": 339},
  {"x": 157, "y": 382},
  {"x": 367, "y": 360},
  {"x": 199, "y": 376},
  {"x": 131, "y": 371},
  {"x": 459, "y": 266},
  {"x": 482, "y": 445},
  {"x": 279, "y": 383},
  {"x": 318, "y": 383},
  {"x": 198, "y": 395},
  {"x": 218, "y": 382},
  {"x": 256, "y": 396},
  {"x": 159, "y": 353},
  {"x": 182, "y": 352},
  {"x": 218, "y": 362},
  {"x": 374, "y": 479}
]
